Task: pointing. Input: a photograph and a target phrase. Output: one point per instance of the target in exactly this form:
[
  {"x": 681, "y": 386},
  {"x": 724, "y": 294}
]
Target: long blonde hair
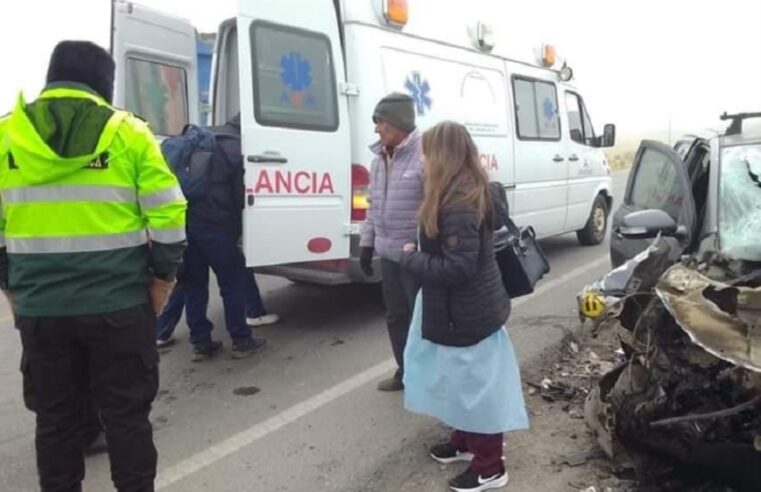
[{"x": 453, "y": 175}]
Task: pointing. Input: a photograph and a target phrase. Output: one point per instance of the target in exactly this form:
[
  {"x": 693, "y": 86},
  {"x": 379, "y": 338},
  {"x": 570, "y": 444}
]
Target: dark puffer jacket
[{"x": 464, "y": 300}]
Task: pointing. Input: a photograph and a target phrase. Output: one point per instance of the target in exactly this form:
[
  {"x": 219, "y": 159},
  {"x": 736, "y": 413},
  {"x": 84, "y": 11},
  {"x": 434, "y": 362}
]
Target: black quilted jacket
[{"x": 464, "y": 300}]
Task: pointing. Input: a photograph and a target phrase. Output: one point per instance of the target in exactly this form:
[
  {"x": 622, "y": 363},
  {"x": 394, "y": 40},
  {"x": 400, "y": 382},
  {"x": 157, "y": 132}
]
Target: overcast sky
[{"x": 639, "y": 63}]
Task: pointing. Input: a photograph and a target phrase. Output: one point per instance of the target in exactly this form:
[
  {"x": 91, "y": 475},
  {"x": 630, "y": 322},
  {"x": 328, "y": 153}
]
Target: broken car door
[{"x": 658, "y": 181}]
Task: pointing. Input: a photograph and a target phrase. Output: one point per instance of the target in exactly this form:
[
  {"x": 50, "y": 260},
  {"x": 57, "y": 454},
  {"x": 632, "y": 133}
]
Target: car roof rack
[{"x": 736, "y": 127}]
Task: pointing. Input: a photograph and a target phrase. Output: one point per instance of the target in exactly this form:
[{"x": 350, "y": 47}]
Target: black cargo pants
[
  {"x": 399, "y": 292},
  {"x": 114, "y": 357}
]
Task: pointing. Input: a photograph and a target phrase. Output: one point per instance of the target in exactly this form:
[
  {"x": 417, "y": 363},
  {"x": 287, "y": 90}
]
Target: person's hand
[
  {"x": 366, "y": 260},
  {"x": 409, "y": 248},
  {"x": 159, "y": 291}
]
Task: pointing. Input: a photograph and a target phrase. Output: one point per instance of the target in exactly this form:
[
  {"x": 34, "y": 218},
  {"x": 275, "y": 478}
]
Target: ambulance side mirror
[{"x": 608, "y": 138}]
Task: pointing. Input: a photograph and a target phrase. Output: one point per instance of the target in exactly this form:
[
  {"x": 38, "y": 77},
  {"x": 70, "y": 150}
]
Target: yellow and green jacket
[{"x": 90, "y": 209}]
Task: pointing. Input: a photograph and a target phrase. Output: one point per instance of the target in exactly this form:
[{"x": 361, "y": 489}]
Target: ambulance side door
[
  {"x": 295, "y": 132},
  {"x": 156, "y": 66}
]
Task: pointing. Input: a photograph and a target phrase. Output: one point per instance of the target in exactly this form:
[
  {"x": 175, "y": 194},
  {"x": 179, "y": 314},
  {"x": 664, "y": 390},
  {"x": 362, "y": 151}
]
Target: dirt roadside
[{"x": 558, "y": 453}]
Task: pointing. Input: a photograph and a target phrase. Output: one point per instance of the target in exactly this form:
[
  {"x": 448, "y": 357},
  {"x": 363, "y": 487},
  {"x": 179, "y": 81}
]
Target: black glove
[{"x": 366, "y": 260}]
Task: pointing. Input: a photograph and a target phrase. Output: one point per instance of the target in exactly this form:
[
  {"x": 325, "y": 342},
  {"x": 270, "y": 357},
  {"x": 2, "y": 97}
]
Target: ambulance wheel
[{"x": 597, "y": 225}]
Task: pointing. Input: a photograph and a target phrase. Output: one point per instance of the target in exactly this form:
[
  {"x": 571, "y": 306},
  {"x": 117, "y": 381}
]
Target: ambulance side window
[
  {"x": 536, "y": 109},
  {"x": 580, "y": 125},
  {"x": 294, "y": 78},
  {"x": 158, "y": 92}
]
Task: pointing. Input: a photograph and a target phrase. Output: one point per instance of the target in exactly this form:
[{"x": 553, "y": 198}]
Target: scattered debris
[
  {"x": 555, "y": 391},
  {"x": 246, "y": 391},
  {"x": 578, "y": 459}
]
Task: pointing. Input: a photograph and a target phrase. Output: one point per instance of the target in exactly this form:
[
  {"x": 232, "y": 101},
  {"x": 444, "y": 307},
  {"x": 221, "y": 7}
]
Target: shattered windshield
[{"x": 740, "y": 202}]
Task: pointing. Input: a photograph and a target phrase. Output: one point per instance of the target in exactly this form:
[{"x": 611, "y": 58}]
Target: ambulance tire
[{"x": 594, "y": 231}]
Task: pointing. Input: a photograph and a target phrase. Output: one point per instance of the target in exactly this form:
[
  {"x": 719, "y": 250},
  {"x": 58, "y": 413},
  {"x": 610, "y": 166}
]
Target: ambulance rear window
[
  {"x": 294, "y": 78},
  {"x": 159, "y": 93}
]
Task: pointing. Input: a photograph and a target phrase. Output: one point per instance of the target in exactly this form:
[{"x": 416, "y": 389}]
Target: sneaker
[
  {"x": 446, "y": 454},
  {"x": 164, "y": 342},
  {"x": 246, "y": 348},
  {"x": 267, "y": 319},
  {"x": 206, "y": 351},
  {"x": 473, "y": 482}
]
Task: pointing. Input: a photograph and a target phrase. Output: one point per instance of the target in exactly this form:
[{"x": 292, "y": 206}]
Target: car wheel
[{"x": 597, "y": 225}]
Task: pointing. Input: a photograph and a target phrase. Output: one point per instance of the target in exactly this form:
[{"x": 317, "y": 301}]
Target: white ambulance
[{"x": 306, "y": 75}]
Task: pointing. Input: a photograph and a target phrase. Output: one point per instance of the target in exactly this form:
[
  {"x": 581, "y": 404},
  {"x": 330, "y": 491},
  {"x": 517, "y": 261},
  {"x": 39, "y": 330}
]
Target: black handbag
[{"x": 521, "y": 260}]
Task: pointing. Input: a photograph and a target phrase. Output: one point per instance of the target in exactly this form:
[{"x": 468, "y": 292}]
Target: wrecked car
[{"x": 684, "y": 409}]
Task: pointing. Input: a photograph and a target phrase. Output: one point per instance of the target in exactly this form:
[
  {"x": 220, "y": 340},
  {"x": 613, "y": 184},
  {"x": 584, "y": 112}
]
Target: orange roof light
[
  {"x": 396, "y": 12},
  {"x": 549, "y": 56}
]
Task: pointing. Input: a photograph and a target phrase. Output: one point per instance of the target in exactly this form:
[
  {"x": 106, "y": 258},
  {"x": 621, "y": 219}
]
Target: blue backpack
[{"x": 190, "y": 157}]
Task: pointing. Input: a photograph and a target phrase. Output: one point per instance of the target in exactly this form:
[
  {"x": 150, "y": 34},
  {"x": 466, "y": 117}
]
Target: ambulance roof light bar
[
  {"x": 396, "y": 13},
  {"x": 547, "y": 56},
  {"x": 483, "y": 36}
]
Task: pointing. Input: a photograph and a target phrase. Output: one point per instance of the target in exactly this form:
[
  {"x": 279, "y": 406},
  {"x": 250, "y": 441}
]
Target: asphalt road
[{"x": 304, "y": 415}]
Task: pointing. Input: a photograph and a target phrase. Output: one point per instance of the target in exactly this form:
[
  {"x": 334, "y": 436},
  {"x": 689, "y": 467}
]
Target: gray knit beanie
[{"x": 398, "y": 110}]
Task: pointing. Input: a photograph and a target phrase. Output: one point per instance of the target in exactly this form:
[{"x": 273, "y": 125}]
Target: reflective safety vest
[{"x": 84, "y": 191}]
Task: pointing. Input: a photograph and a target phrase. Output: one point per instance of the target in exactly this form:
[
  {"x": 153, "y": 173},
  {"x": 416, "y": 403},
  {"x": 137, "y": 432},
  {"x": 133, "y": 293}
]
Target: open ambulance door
[
  {"x": 295, "y": 132},
  {"x": 156, "y": 66}
]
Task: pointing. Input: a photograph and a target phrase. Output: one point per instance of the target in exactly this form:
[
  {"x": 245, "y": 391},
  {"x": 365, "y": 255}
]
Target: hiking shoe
[
  {"x": 393, "y": 383},
  {"x": 164, "y": 342},
  {"x": 206, "y": 351},
  {"x": 446, "y": 454},
  {"x": 246, "y": 348},
  {"x": 267, "y": 319},
  {"x": 473, "y": 482}
]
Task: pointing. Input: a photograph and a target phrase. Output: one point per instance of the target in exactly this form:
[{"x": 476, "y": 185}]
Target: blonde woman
[{"x": 460, "y": 364}]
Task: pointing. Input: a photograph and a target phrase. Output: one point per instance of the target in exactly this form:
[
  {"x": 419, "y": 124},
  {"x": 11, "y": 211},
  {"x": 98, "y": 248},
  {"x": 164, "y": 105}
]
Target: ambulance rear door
[
  {"x": 156, "y": 66},
  {"x": 295, "y": 132}
]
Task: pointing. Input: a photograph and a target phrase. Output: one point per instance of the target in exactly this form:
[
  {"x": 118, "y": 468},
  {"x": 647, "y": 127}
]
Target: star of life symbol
[{"x": 419, "y": 89}]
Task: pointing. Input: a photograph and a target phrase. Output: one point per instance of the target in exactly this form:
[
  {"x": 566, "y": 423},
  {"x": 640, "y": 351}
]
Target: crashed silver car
[{"x": 684, "y": 409}]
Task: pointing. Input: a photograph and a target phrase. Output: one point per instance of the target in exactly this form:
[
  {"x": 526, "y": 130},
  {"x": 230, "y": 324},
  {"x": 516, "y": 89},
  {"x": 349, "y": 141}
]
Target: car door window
[
  {"x": 589, "y": 131},
  {"x": 573, "y": 109},
  {"x": 656, "y": 184},
  {"x": 579, "y": 123}
]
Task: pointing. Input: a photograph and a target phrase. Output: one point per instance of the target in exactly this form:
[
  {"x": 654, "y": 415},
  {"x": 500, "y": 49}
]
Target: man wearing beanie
[
  {"x": 92, "y": 233},
  {"x": 396, "y": 190}
]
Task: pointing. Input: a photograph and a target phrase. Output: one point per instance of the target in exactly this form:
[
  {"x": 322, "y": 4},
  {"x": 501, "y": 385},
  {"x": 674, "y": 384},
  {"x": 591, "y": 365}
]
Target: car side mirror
[
  {"x": 608, "y": 138},
  {"x": 647, "y": 224}
]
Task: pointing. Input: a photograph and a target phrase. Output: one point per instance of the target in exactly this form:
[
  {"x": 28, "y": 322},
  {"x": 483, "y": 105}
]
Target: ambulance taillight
[{"x": 360, "y": 184}]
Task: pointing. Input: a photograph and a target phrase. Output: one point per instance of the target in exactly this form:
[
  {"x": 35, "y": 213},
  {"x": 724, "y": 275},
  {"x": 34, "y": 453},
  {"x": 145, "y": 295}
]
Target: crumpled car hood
[{"x": 724, "y": 320}]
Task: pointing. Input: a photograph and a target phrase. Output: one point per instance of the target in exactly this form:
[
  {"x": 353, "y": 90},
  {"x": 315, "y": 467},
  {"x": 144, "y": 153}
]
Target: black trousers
[
  {"x": 111, "y": 358},
  {"x": 399, "y": 292}
]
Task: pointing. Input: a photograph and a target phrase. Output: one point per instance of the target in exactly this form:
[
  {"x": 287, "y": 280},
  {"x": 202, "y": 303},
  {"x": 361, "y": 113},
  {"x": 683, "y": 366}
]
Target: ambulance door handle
[
  {"x": 267, "y": 158},
  {"x": 573, "y": 158},
  {"x": 558, "y": 158}
]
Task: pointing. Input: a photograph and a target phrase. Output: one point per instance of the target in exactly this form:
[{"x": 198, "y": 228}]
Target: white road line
[{"x": 244, "y": 438}]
